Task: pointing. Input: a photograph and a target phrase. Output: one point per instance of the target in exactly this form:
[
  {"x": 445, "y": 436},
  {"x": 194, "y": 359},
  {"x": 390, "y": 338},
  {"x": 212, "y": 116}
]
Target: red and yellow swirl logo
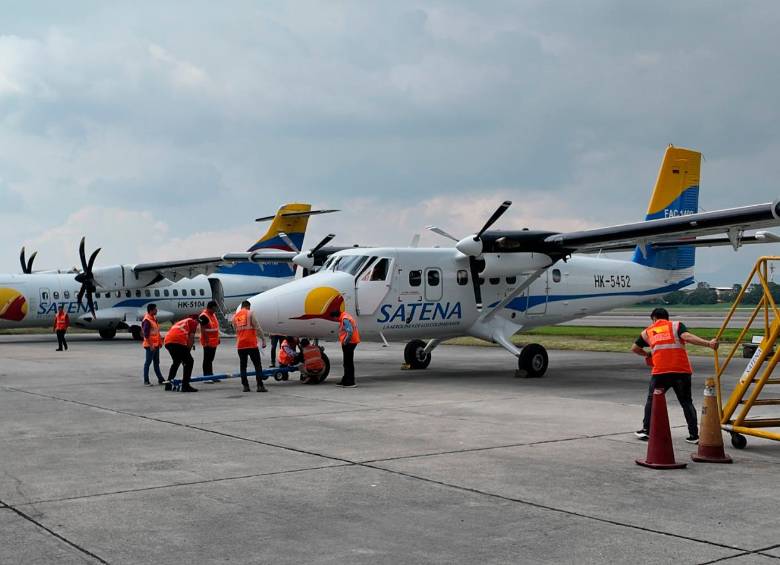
[
  {"x": 13, "y": 305},
  {"x": 322, "y": 303}
]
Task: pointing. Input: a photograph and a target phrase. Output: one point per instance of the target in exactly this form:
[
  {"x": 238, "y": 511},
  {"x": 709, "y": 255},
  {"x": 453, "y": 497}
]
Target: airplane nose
[{"x": 265, "y": 307}]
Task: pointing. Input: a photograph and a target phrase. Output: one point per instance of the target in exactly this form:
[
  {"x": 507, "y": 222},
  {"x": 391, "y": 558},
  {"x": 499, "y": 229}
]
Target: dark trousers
[
  {"x": 252, "y": 353},
  {"x": 208, "y": 360},
  {"x": 275, "y": 340},
  {"x": 152, "y": 358},
  {"x": 61, "y": 343},
  {"x": 180, "y": 354},
  {"x": 348, "y": 349},
  {"x": 681, "y": 383}
]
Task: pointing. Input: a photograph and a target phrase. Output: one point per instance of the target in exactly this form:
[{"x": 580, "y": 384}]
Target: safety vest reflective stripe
[
  {"x": 246, "y": 335},
  {"x": 312, "y": 358},
  {"x": 355, "y": 338},
  {"x": 669, "y": 354},
  {"x": 178, "y": 333},
  {"x": 209, "y": 335},
  {"x": 153, "y": 340}
]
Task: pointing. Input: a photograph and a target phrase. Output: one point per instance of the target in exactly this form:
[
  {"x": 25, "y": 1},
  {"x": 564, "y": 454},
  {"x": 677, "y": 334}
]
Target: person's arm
[
  {"x": 146, "y": 328},
  {"x": 67, "y": 321},
  {"x": 258, "y": 329},
  {"x": 688, "y": 337},
  {"x": 347, "y": 330},
  {"x": 639, "y": 345}
]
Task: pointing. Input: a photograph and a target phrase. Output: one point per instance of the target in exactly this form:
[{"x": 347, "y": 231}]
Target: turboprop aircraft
[
  {"x": 117, "y": 295},
  {"x": 494, "y": 284}
]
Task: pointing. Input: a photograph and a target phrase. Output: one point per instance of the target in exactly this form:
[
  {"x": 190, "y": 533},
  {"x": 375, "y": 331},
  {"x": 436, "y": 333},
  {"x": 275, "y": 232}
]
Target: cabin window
[
  {"x": 380, "y": 269},
  {"x": 66, "y": 294},
  {"x": 184, "y": 292},
  {"x": 494, "y": 280},
  {"x": 481, "y": 281},
  {"x": 148, "y": 293},
  {"x": 202, "y": 292},
  {"x": 157, "y": 292},
  {"x": 556, "y": 275},
  {"x": 119, "y": 294},
  {"x": 415, "y": 278},
  {"x": 138, "y": 294},
  {"x": 44, "y": 296},
  {"x": 175, "y": 292},
  {"x": 192, "y": 292},
  {"x": 128, "y": 294},
  {"x": 462, "y": 277},
  {"x": 56, "y": 295},
  {"x": 434, "y": 277},
  {"x": 166, "y": 292},
  {"x": 511, "y": 280}
]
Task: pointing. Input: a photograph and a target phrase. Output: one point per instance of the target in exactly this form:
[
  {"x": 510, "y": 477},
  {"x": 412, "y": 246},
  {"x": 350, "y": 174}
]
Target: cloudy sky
[{"x": 161, "y": 129}]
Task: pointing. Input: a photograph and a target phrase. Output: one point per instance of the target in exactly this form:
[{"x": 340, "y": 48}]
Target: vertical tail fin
[
  {"x": 676, "y": 193},
  {"x": 292, "y": 220}
]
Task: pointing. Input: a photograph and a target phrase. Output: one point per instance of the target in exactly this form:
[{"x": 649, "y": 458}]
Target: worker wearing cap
[
  {"x": 150, "y": 330},
  {"x": 209, "y": 336},
  {"x": 247, "y": 331},
  {"x": 349, "y": 337},
  {"x": 671, "y": 367},
  {"x": 178, "y": 342}
]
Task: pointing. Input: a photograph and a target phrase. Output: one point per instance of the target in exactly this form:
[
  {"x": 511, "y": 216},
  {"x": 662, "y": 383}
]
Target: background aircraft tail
[
  {"x": 676, "y": 193},
  {"x": 292, "y": 220}
]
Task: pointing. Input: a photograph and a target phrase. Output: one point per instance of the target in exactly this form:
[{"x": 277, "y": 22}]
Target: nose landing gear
[
  {"x": 532, "y": 362},
  {"x": 415, "y": 355}
]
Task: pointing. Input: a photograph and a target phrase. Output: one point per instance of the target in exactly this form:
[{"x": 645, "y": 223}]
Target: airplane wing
[
  {"x": 732, "y": 222},
  {"x": 188, "y": 268}
]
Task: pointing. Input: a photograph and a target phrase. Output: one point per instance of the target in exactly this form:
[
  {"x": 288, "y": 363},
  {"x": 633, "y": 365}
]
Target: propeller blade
[
  {"x": 441, "y": 232},
  {"x": 496, "y": 215},
  {"x": 92, "y": 260},
  {"x": 91, "y": 303},
  {"x": 286, "y": 238},
  {"x": 321, "y": 244},
  {"x": 23, "y": 262},
  {"x": 474, "y": 268},
  {"x": 80, "y": 295},
  {"x": 30, "y": 262},
  {"x": 82, "y": 255}
]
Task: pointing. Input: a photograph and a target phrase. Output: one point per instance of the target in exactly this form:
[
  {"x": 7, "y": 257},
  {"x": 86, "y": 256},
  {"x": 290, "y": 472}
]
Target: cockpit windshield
[{"x": 350, "y": 263}]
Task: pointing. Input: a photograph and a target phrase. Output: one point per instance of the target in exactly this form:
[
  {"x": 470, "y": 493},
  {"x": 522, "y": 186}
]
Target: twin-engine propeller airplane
[
  {"x": 494, "y": 284},
  {"x": 116, "y": 296}
]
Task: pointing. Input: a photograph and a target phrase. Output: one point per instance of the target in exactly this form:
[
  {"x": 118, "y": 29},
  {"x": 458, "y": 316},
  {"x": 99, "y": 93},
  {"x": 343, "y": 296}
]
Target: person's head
[
  {"x": 151, "y": 308},
  {"x": 61, "y": 309},
  {"x": 204, "y": 320},
  {"x": 304, "y": 342},
  {"x": 659, "y": 314},
  {"x": 212, "y": 306},
  {"x": 246, "y": 305}
]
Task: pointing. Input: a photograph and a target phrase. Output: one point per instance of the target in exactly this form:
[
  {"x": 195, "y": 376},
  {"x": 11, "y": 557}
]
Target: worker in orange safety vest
[
  {"x": 671, "y": 367},
  {"x": 150, "y": 330},
  {"x": 349, "y": 337},
  {"x": 209, "y": 336},
  {"x": 179, "y": 341},
  {"x": 61, "y": 325},
  {"x": 247, "y": 331},
  {"x": 313, "y": 364}
]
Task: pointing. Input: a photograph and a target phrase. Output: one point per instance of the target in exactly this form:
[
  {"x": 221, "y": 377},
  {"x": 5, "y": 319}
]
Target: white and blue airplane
[
  {"x": 494, "y": 284},
  {"x": 116, "y": 296}
]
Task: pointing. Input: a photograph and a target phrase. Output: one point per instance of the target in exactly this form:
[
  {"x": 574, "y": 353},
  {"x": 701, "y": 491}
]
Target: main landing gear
[
  {"x": 532, "y": 361},
  {"x": 416, "y": 356},
  {"x": 107, "y": 333}
]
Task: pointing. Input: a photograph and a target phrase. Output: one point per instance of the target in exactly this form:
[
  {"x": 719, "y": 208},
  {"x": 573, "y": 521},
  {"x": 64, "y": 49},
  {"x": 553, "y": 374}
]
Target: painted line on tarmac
[
  {"x": 754, "y": 552},
  {"x": 60, "y": 537}
]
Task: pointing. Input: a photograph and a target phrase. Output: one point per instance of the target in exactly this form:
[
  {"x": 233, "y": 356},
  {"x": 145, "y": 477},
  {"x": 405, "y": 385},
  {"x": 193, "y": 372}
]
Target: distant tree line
[{"x": 705, "y": 294}]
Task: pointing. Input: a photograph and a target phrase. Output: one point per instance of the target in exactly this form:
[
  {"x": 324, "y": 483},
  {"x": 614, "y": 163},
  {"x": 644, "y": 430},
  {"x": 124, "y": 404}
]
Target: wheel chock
[{"x": 406, "y": 367}]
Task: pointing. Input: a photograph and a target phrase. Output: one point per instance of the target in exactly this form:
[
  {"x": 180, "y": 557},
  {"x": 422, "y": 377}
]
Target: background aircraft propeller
[
  {"x": 86, "y": 278},
  {"x": 305, "y": 259},
  {"x": 27, "y": 265}
]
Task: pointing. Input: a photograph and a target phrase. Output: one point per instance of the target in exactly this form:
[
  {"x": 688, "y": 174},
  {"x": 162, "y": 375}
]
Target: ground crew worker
[
  {"x": 178, "y": 342},
  {"x": 671, "y": 366},
  {"x": 275, "y": 339},
  {"x": 61, "y": 325},
  {"x": 247, "y": 330},
  {"x": 349, "y": 338},
  {"x": 209, "y": 336},
  {"x": 313, "y": 364},
  {"x": 150, "y": 329}
]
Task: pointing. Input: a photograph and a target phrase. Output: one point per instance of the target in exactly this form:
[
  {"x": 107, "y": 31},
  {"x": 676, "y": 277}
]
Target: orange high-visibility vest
[
  {"x": 284, "y": 357},
  {"x": 61, "y": 321},
  {"x": 343, "y": 334},
  {"x": 669, "y": 355},
  {"x": 209, "y": 335},
  {"x": 180, "y": 332},
  {"x": 312, "y": 358},
  {"x": 153, "y": 340},
  {"x": 246, "y": 334}
]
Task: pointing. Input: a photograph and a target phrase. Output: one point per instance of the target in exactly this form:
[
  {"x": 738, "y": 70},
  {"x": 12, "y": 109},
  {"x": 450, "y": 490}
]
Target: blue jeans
[{"x": 152, "y": 356}]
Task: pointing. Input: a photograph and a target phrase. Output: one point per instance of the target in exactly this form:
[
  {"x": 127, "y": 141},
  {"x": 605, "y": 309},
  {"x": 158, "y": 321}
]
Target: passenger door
[
  {"x": 433, "y": 284},
  {"x": 536, "y": 296}
]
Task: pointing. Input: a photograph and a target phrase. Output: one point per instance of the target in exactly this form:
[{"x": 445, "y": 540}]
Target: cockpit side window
[{"x": 379, "y": 273}]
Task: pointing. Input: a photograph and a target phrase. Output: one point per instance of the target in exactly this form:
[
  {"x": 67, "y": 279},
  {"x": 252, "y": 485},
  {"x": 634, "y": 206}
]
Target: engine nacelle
[
  {"x": 513, "y": 264},
  {"x": 121, "y": 277}
]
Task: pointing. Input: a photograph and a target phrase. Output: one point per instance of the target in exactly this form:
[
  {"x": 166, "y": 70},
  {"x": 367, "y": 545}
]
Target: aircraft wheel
[
  {"x": 108, "y": 333},
  {"x": 533, "y": 360},
  {"x": 135, "y": 331},
  {"x": 414, "y": 356},
  {"x": 738, "y": 441},
  {"x": 326, "y": 370}
]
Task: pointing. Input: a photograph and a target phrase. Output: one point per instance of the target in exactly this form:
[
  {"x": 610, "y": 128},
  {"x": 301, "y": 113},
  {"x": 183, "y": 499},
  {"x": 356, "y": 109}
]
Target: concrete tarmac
[{"x": 461, "y": 463}]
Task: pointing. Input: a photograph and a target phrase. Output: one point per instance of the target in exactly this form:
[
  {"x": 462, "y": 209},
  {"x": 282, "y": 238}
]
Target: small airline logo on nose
[
  {"x": 321, "y": 303},
  {"x": 13, "y": 305}
]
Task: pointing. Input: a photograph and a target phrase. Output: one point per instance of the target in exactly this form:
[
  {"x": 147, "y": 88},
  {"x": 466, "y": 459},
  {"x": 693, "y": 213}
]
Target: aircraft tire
[
  {"x": 135, "y": 331},
  {"x": 108, "y": 333},
  {"x": 326, "y": 370},
  {"x": 533, "y": 360},
  {"x": 413, "y": 355}
]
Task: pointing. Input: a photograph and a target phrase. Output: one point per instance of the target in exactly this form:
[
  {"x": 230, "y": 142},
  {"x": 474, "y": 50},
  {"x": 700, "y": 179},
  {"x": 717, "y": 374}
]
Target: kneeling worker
[
  {"x": 178, "y": 342},
  {"x": 247, "y": 330},
  {"x": 313, "y": 364}
]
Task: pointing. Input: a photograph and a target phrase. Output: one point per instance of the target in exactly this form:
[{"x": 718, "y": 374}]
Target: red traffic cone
[
  {"x": 660, "y": 453},
  {"x": 710, "y": 436}
]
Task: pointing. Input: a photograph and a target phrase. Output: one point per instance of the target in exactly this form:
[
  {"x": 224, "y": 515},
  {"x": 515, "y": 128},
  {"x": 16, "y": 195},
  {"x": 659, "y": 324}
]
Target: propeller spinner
[{"x": 305, "y": 259}]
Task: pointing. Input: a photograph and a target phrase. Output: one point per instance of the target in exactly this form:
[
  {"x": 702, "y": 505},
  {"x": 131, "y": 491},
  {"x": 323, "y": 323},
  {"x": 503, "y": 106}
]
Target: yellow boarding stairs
[{"x": 748, "y": 391}]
